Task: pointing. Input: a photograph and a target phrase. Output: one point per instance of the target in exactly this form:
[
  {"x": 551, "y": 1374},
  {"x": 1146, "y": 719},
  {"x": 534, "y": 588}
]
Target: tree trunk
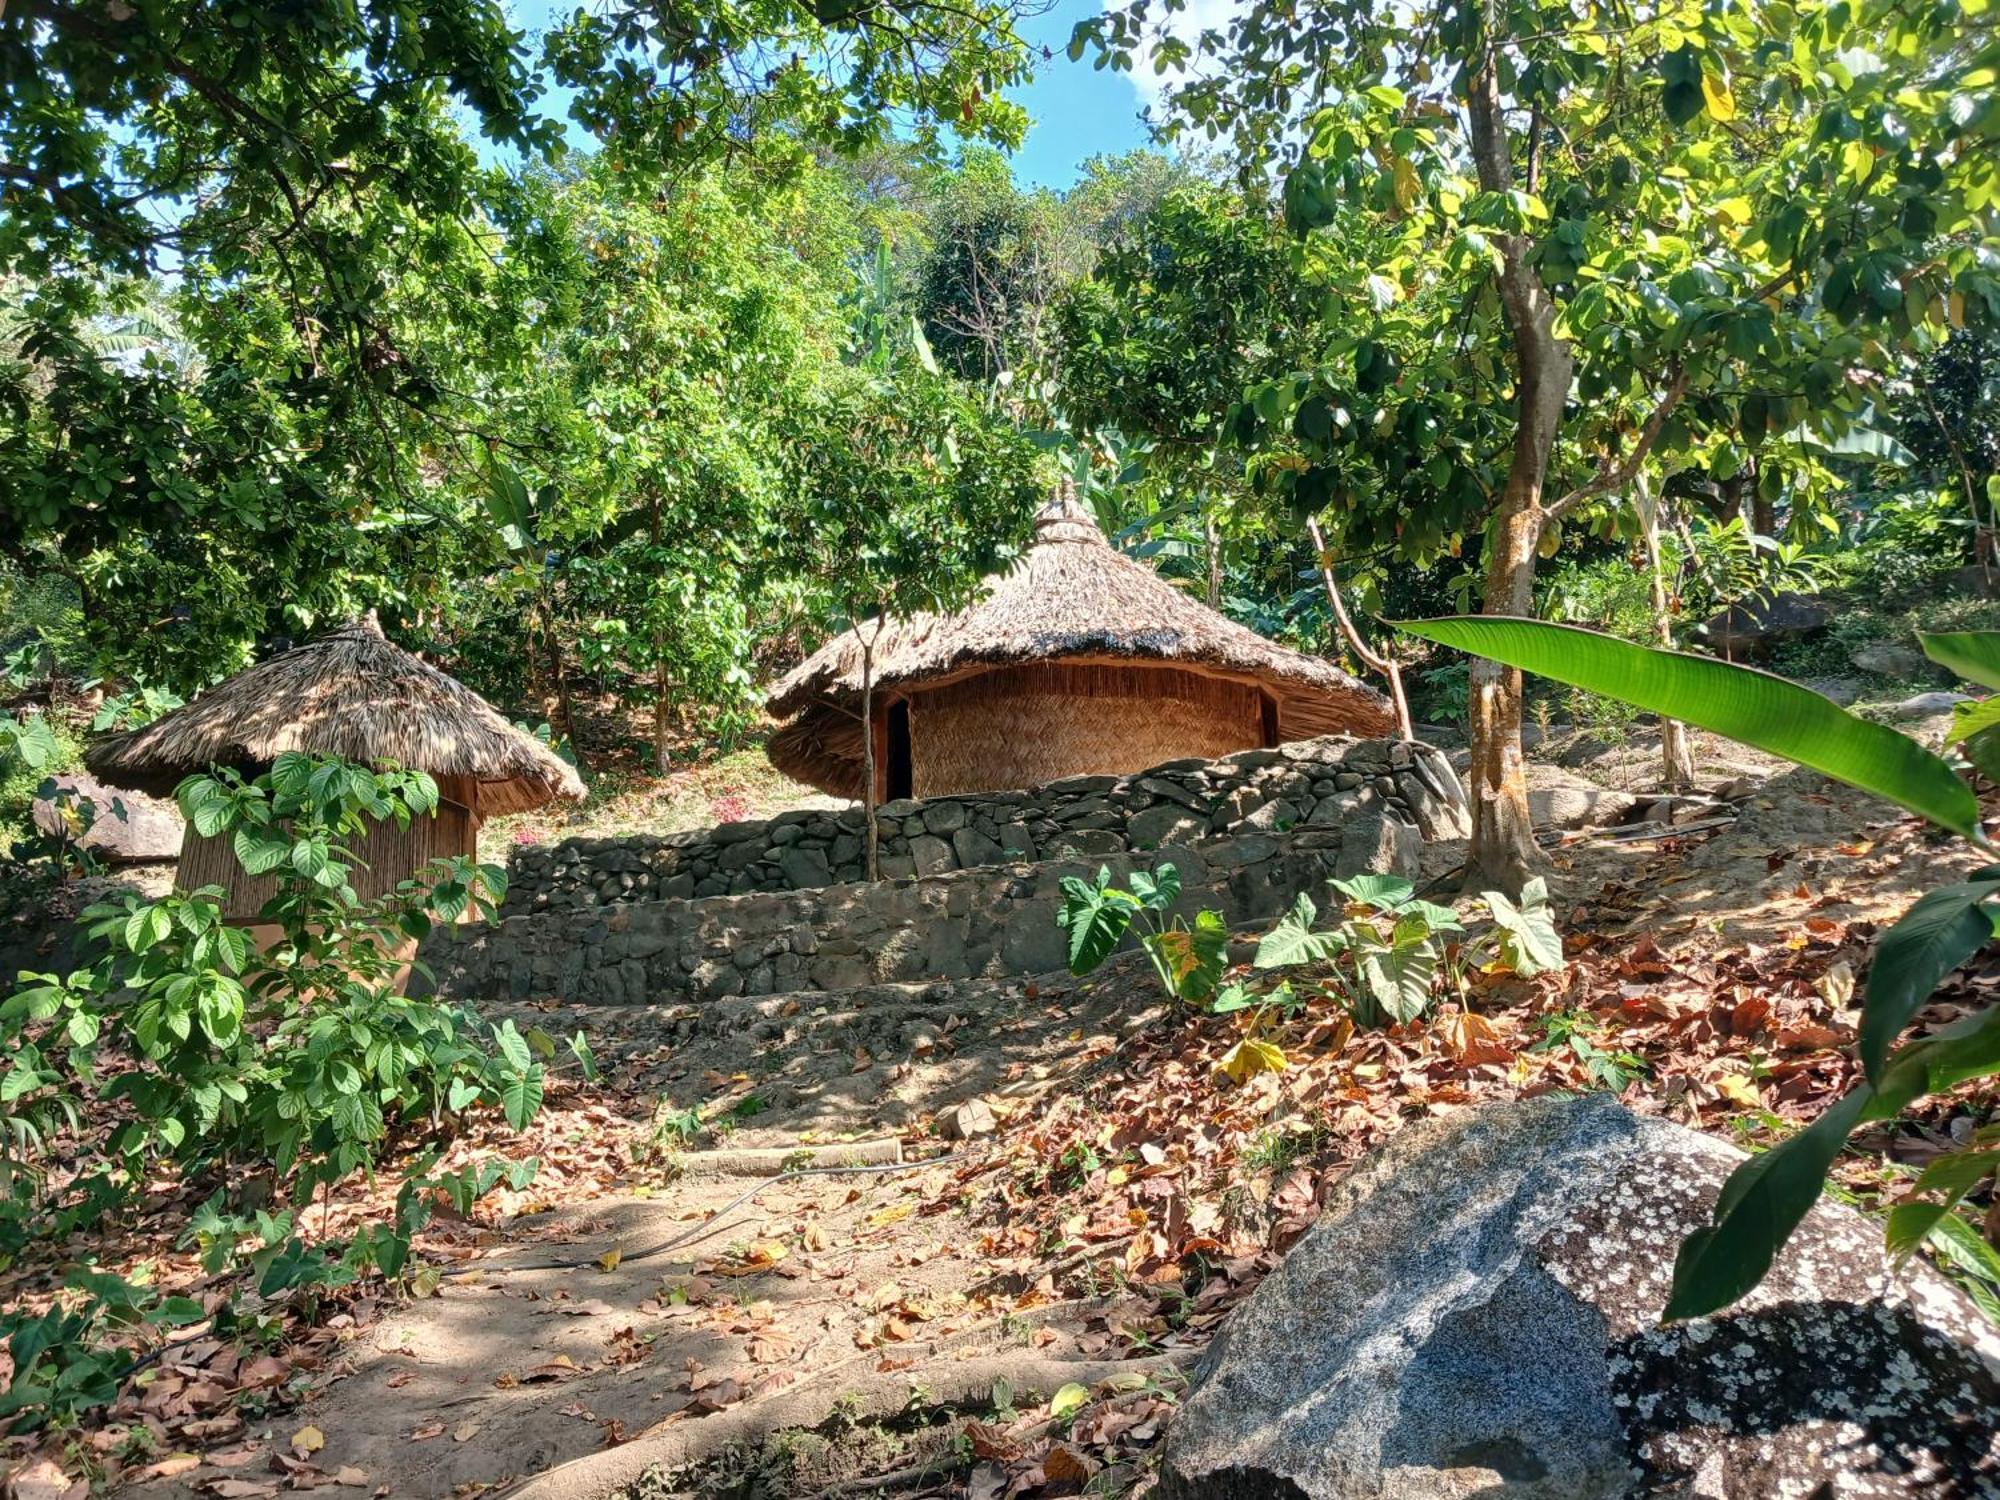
[
  {"x": 874, "y": 834},
  {"x": 1676, "y": 753},
  {"x": 1214, "y": 539},
  {"x": 1503, "y": 853},
  {"x": 663, "y": 718},
  {"x": 564, "y": 707},
  {"x": 662, "y": 713}
]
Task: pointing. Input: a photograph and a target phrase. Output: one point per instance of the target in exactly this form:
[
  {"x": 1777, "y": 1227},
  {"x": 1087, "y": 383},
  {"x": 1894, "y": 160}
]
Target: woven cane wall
[
  {"x": 387, "y": 855},
  {"x": 1022, "y": 726}
]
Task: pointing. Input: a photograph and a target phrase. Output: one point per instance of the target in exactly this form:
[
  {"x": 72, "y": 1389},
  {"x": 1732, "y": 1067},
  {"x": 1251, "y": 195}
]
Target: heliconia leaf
[
  {"x": 1740, "y": 703},
  {"x": 1761, "y": 1204},
  {"x": 1972, "y": 654},
  {"x": 1941, "y": 931}
]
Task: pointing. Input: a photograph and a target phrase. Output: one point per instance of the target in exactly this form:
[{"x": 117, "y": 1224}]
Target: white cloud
[{"x": 1187, "y": 25}]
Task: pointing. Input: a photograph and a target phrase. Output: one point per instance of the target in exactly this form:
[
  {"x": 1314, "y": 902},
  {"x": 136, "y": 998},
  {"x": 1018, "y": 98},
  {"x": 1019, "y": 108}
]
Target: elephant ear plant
[{"x": 1765, "y": 1198}]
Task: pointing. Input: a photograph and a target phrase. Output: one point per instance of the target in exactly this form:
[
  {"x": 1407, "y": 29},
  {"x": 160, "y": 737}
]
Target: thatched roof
[
  {"x": 1071, "y": 598},
  {"x": 348, "y": 693}
]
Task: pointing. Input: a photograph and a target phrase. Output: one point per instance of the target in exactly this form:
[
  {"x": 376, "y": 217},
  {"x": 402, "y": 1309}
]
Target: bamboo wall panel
[
  {"x": 387, "y": 855},
  {"x": 1022, "y": 726}
]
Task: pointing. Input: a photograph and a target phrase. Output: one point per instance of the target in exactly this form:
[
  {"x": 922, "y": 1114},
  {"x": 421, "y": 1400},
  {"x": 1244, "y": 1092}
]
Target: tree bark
[
  {"x": 1503, "y": 854},
  {"x": 1676, "y": 753},
  {"x": 873, "y": 841},
  {"x": 1214, "y": 539},
  {"x": 662, "y": 714}
]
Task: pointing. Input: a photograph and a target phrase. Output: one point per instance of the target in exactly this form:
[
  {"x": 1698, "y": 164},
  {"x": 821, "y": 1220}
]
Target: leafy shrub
[
  {"x": 1384, "y": 961},
  {"x": 184, "y": 1046}
]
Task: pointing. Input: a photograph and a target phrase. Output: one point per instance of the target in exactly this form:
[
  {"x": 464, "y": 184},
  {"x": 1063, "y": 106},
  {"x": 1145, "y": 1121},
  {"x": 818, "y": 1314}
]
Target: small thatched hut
[
  {"x": 1080, "y": 660},
  {"x": 348, "y": 693}
]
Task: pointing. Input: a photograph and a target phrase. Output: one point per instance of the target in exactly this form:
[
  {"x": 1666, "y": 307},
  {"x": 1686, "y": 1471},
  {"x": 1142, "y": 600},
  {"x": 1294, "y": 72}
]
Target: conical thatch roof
[
  {"x": 349, "y": 693},
  {"x": 1071, "y": 598}
]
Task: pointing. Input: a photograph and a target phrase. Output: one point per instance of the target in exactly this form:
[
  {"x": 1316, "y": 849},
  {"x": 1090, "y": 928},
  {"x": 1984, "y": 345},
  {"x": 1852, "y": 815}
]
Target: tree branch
[{"x": 1616, "y": 476}]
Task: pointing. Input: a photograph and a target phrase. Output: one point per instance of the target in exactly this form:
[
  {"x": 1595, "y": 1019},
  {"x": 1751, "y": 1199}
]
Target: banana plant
[{"x": 1764, "y": 1199}]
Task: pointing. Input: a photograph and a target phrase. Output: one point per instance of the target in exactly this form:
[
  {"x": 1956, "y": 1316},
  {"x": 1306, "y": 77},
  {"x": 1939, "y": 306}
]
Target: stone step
[
  {"x": 1313, "y": 783},
  {"x": 986, "y": 922}
]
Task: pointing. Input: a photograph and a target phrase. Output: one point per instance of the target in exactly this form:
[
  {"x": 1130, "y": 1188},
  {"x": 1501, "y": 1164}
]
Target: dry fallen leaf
[{"x": 308, "y": 1440}]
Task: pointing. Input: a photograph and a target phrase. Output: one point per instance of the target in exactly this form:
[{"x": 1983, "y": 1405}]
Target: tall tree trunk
[
  {"x": 1503, "y": 853},
  {"x": 1676, "y": 753},
  {"x": 662, "y": 711},
  {"x": 564, "y": 707},
  {"x": 874, "y": 828}
]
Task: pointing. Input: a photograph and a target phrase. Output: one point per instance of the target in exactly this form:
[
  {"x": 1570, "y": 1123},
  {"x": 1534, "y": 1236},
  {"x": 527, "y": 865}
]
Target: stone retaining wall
[
  {"x": 983, "y": 922},
  {"x": 1314, "y": 784}
]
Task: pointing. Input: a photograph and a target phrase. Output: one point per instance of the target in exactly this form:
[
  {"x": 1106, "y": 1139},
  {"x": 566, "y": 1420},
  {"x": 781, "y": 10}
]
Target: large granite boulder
[
  {"x": 1563, "y": 799},
  {"x": 1753, "y": 626},
  {"x": 129, "y": 827},
  {"x": 1478, "y": 1314}
]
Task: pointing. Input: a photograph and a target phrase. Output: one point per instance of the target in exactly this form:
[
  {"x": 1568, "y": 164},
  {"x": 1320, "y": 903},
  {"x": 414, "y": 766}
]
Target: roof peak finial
[{"x": 1062, "y": 511}]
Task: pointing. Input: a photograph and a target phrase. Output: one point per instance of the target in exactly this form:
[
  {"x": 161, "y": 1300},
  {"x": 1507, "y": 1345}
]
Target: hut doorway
[{"x": 898, "y": 764}]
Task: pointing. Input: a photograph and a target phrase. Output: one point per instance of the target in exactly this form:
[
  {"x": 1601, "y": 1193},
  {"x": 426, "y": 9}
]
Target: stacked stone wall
[
  {"x": 986, "y": 922},
  {"x": 1312, "y": 785}
]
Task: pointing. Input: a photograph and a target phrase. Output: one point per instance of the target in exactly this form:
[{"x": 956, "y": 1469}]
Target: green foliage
[
  {"x": 1187, "y": 957},
  {"x": 302, "y": 1055},
  {"x": 1764, "y": 1200},
  {"x": 1573, "y": 1033},
  {"x": 1384, "y": 955}
]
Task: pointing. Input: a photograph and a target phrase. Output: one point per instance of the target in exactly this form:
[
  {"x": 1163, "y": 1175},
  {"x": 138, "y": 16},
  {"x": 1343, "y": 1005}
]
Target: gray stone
[
  {"x": 931, "y": 856},
  {"x": 1755, "y": 625},
  {"x": 1332, "y": 812},
  {"x": 126, "y": 827},
  {"x": 896, "y": 866},
  {"x": 974, "y": 848},
  {"x": 1379, "y": 843},
  {"x": 751, "y": 831},
  {"x": 944, "y": 817},
  {"x": 787, "y": 833},
  {"x": 1841, "y": 690},
  {"x": 1162, "y": 824},
  {"x": 1562, "y": 799},
  {"x": 1017, "y": 841},
  {"x": 1502, "y": 1337},
  {"x": 1891, "y": 659},
  {"x": 804, "y": 867},
  {"x": 900, "y": 807}
]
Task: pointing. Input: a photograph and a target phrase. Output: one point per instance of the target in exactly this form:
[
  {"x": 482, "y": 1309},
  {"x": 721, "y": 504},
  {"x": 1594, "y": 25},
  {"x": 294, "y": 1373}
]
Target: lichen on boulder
[{"x": 1477, "y": 1313}]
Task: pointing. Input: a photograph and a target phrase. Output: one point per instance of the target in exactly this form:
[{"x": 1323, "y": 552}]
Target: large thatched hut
[
  {"x": 353, "y": 694},
  {"x": 1079, "y": 660}
]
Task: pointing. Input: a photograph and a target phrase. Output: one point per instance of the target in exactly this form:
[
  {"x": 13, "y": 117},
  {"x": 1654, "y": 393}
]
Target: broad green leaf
[
  {"x": 1384, "y": 892},
  {"x": 1193, "y": 956},
  {"x": 1910, "y": 1224},
  {"x": 1761, "y": 1204},
  {"x": 1740, "y": 703},
  {"x": 513, "y": 1046},
  {"x": 1965, "y": 1247},
  {"x": 521, "y": 1100},
  {"x": 1939, "y": 932},
  {"x": 1293, "y": 940},
  {"x": 1400, "y": 976},
  {"x": 1972, "y": 654}
]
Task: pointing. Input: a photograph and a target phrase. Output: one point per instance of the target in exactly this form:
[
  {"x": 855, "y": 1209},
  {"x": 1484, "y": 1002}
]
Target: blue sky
[{"x": 1078, "y": 112}]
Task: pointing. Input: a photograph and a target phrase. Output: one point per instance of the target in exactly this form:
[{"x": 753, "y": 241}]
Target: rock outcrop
[
  {"x": 1478, "y": 1314},
  {"x": 127, "y": 828}
]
